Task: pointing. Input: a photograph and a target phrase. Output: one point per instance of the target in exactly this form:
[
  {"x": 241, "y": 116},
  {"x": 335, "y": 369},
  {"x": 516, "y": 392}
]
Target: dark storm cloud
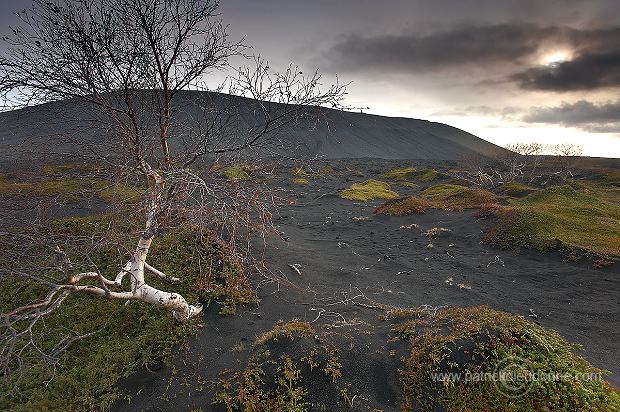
[
  {"x": 604, "y": 118},
  {"x": 596, "y": 64},
  {"x": 464, "y": 45},
  {"x": 586, "y": 72}
]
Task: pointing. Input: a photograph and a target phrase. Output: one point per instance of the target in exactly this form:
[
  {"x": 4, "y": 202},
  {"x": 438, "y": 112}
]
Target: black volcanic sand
[{"x": 345, "y": 260}]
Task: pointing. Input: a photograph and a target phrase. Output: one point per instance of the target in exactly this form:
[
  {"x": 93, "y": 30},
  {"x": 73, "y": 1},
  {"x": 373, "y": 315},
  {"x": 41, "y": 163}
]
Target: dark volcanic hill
[{"x": 337, "y": 134}]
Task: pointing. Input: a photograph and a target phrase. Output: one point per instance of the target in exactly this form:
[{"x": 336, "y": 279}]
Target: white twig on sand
[
  {"x": 296, "y": 268},
  {"x": 497, "y": 260}
]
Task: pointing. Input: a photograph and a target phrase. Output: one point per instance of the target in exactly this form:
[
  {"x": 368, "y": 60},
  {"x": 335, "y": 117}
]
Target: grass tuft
[
  {"x": 291, "y": 329},
  {"x": 368, "y": 190}
]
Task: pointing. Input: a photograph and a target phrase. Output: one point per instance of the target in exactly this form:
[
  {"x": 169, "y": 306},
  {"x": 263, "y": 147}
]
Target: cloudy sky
[{"x": 505, "y": 70}]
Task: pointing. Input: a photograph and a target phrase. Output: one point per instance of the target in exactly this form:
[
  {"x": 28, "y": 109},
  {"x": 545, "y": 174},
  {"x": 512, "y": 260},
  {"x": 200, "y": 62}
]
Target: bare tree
[
  {"x": 129, "y": 65},
  {"x": 567, "y": 155},
  {"x": 521, "y": 162}
]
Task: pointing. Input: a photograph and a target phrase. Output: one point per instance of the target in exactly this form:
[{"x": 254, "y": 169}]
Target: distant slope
[{"x": 338, "y": 134}]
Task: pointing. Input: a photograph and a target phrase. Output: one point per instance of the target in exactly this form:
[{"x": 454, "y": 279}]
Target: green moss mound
[
  {"x": 478, "y": 359},
  {"x": 448, "y": 197},
  {"x": 443, "y": 191},
  {"x": 236, "y": 172},
  {"x": 405, "y": 173},
  {"x": 368, "y": 190},
  {"x": 455, "y": 197},
  {"x": 455, "y": 359},
  {"x": 516, "y": 189},
  {"x": 125, "y": 336},
  {"x": 402, "y": 173},
  {"x": 279, "y": 374},
  {"x": 560, "y": 216},
  {"x": 300, "y": 181},
  {"x": 404, "y": 207},
  {"x": 299, "y": 171},
  {"x": 327, "y": 170},
  {"x": 428, "y": 175},
  {"x": 68, "y": 189}
]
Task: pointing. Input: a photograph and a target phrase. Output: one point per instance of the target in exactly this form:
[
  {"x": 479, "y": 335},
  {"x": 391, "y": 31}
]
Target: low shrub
[{"x": 291, "y": 329}]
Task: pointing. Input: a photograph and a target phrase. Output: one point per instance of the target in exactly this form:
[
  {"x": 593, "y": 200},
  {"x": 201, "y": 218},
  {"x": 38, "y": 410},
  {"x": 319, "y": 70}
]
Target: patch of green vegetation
[
  {"x": 291, "y": 329},
  {"x": 605, "y": 186},
  {"x": 276, "y": 375},
  {"x": 428, "y": 175},
  {"x": 300, "y": 181},
  {"x": 443, "y": 191},
  {"x": 53, "y": 170},
  {"x": 327, "y": 170},
  {"x": 299, "y": 171},
  {"x": 368, "y": 190},
  {"x": 610, "y": 178},
  {"x": 516, "y": 189},
  {"x": 245, "y": 390},
  {"x": 455, "y": 197},
  {"x": 236, "y": 172},
  {"x": 404, "y": 207},
  {"x": 479, "y": 341},
  {"x": 560, "y": 216},
  {"x": 408, "y": 184},
  {"x": 69, "y": 189},
  {"x": 125, "y": 336},
  {"x": 448, "y": 197},
  {"x": 405, "y": 173}
]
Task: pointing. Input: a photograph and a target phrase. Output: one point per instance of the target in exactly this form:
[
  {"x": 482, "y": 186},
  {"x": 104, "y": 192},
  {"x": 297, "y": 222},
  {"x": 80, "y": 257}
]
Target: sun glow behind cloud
[{"x": 556, "y": 57}]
